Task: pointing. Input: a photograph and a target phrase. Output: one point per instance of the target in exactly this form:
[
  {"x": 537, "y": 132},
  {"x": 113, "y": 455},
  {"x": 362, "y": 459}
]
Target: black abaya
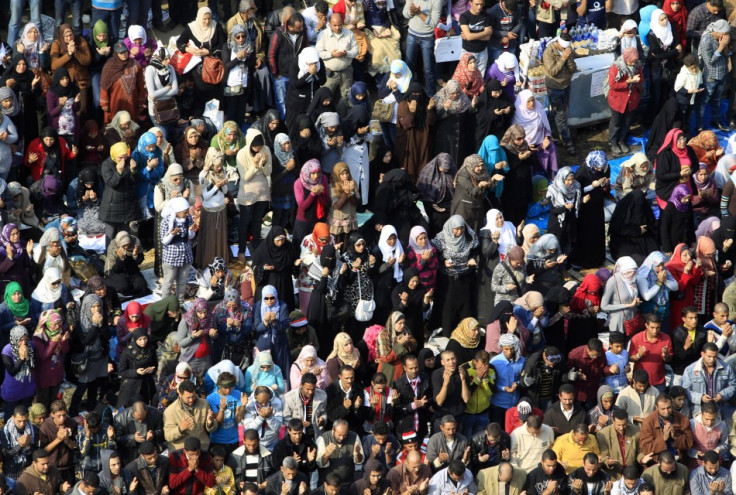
[
  {"x": 626, "y": 236},
  {"x": 589, "y": 250},
  {"x": 517, "y": 186}
]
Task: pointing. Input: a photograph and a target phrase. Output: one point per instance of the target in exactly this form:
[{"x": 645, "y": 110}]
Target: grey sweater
[
  {"x": 615, "y": 301},
  {"x": 431, "y": 8},
  {"x": 156, "y": 90}
]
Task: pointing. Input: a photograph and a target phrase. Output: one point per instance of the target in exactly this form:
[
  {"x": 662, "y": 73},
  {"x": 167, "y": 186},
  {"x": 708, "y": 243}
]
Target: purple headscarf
[{"x": 678, "y": 193}]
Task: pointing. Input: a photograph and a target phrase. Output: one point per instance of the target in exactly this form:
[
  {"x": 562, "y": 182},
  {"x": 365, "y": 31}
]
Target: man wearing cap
[
  {"x": 190, "y": 469},
  {"x": 559, "y": 66},
  {"x": 530, "y": 441},
  {"x": 542, "y": 376},
  {"x": 300, "y": 334},
  {"x": 410, "y": 443},
  {"x": 517, "y": 416},
  {"x": 713, "y": 51}
]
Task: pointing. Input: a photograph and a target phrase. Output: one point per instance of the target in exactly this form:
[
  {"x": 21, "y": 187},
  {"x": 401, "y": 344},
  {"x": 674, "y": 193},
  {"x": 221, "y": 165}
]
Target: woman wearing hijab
[
  {"x": 706, "y": 148},
  {"x": 27, "y": 89},
  {"x": 19, "y": 359},
  {"x": 667, "y": 119},
  {"x": 62, "y": 104},
  {"x": 173, "y": 185},
  {"x": 465, "y": 340},
  {"x": 494, "y": 158},
  {"x": 271, "y": 319},
  {"x": 270, "y": 126},
  {"x": 49, "y": 153},
  {"x": 177, "y": 231},
  {"x": 169, "y": 384},
  {"x": 345, "y": 198},
  {"x": 203, "y": 37},
  {"x": 14, "y": 310},
  {"x": 636, "y": 173},
  {"x": 50, "y": 293},
  {"x": 632, "y": 228},
  {"x": 705, "y": 292},
  {"x": 16, "y": 258},
  {"x": 585, "y": 305},
  {"x": 453, "y": 121},
  {"x": 308, "y": 362},
  {"x": 565, "y": 196},
  {"x": 151, "y": 160},
  {"x": 91, "y": 335},
  {"x": 621, "y": 297},
  {"x": 213, "y": 221},
  {"x": 394, "y": 88},
  {"x": 33, "y": 47},
  {"x": 358, "y": 278},
  {"x": 413, "y": 300},
  {"x": 190, "y": 153},
  {"x": 274, "y": 262},
  {"x": 140, "y": 47},
  {"x": 626, "y": 82},
  {"x": 468, "y": 76},
  {"x": 333, "y": 141},
  {"x": 357, "y": 138},
  {"x": 532, "y": 316},
  {"x": 677, "y": 15},
  {"x": 705, "y": 199},
  {"x": 544, "y": 260},
  {"x": 390, "y": 271},
  {"x": 131, "y": 320},
  {"x": 162, "y": 87},
  {"x": 655, "y": 284},
  {"x": 422, "y": 256},
  {"x": 501, "y": 320},
  {"x": 306, "y": 78},
  {"x": 589, "y": 250},
  {"x": 306, "y": 142},
  {"x": 327, "y": 310},
  {"x": 394, "y": 342},
  {"x": 676, "y": 222},
  {"x": 530, "y": 234},
  {"x": 311, "y": 250},
  {"x": 137, "y": 369},
  {"x": 471, "y": 184},
  {"x": 436, "y": 186},
  {"x": 517, "y": 185},
  {"x": 122, "y": 266},
  {"x": 122, "y": 85},
  {"x": 265, "y": 372},
  {"x": 312, "y": 197},
  {"x": 686, "y": 269},
  {"x": 93, "y": 148},
  {"x": 496, "y": 239},
  {"x": 73, "y": 52},
  {"x": 119, "y": 204},
  {"x": 164, "y": 317},
  {"x": 665, "y": 47},
  {"x": 51, "y": 342},
  {"x": 238, "y": 58},
  {"x": 457, "y": 246},
  {"x": 493, "y": 111},
  {"x": 322, "y": 101},
  {"x": 724, "y": 254},
  {"x": 122, "y": 129},
  {"x": 195, "y": 335},
  {"x": 254, "y": 168},
  {"x": 532, "y": 117},
  {"x": 100, "y": 43},
  {"x": 234, "y": 319},
  {"x": 214, "y": 280},
  {"x": 357, "y": 96},
  {"x": 629, "y": 37},
  {"x": 509, "y": 276},
  {"x": 229, "y": 141},
  {"x": 283, "y": 176}
]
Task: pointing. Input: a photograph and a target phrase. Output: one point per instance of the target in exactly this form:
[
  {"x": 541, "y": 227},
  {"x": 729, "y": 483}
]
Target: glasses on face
[
  {"x": 239, "y": 36},
  {"x": 269, "y": 298}
]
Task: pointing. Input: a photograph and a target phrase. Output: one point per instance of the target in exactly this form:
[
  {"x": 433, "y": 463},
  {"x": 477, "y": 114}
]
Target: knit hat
[
  {"x": 297, "y": 319},
  {"x": 120, "y": 47},
  {"x": 525, "y": 409},
  {"x": 408, "y": 437}
]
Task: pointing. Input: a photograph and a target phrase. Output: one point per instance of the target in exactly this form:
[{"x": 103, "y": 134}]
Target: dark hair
[
  {"x": 322, "y": 7},
  {"x": 380, "y": 428},
  {"x": 712, "y": 457},
  {"x": 147, "y": 448},
  {"x": 310, "y": 378},
  {"x": 716, "y": 3},
  {"x": 646, "y": 487},
  {"x": 677, "y": 391},
  {"x": 510, "y": 5},
  {"x": 218, "y": 451},
  {"x": 549, "y": 455},
  {"x": 295, "y": 424},
  {"x": 225, "y": 377},
  {"x": 620, "y": 414},
  {"x": 709, "y": 407},
  {"x": 709, "y": 346},
  {"x": 57, "y": 405},
  {"x": 493, "y": 430},
  {"x": 332, "y": 479},
  {"x": 581, "y": 428},
  {"x": 617, "y": 338},
  {"x": 666, "y": 457},
  {"x": 379, "y": 379},
  {"x": 567, "y": 388},
  {"x": 688, "y": 309},
  {"x": 91, "y": 479},
  {"x": 652, "y": 318},
  {"x": 565, "y": 37},
  {"x": 295, "y": 17},
  {"x": 482, "y": 355},
  {"x": 187, "y": 386},
  {"x": 40, "y": 454},
  {"x": 595, "y": 345},
  {"x": 114, "y": 455},
  {"x": 20, "y": 410},
  {"x": 534, "y": 421},
  {"x": 250, "y": 487},
  {"x": 663, "y": 397},
  {"x": 631, "y": 472},
  {"x": 409, "y": 357},
  {"x": 346, "y": 367},
  {"x": 456, "y": 467},
  {"x": 192, "y": 443},
  {"x": 641, "y": 376},
  {"x": 690, "y": 60},
  {"x": 250, "y": 434},
  {"x": 590, "y": 458},
  {"x": 93, "y": 420},
  {"x": 551, "y": 350},
  {"x": 262, "y": 389}
]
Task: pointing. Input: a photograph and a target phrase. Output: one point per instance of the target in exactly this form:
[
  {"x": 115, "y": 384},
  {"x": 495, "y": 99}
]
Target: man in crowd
[
  {"x": 41, "y": 477},
  {"x": 447, "y": 445},
  {"x": 411, "y": 473},
  {"x": 666, "y": 430},
  {"x": 501, "y": 479},
  {"x": 190, "y": 469},
  {"x": 337, "y": 48},
  {"x": 151, "y": 470},
  {"x": 414, "y": 398},
  {"x": 639, "y": 398},
  {"x": 564, "y": 414},
  {"x": 19, "y": 439},
  {"x": 137, "y": 424},
  {"x": 548, "y": 478},
  {"x": 490, "y": 447},
  {"x": 650, "y": 350},
  {"x": 709, "y": 379},
  {"x": 619, "y": 445},
  {"x": 188, "y": 416},
  {"x": 344, "y": 399},
  {"x": 455, "y": 478},
  {"x": 339, "y": 451},
  {"x": 668, "y": 475},
  {"x": 559, "y": 66},
  {"x": 571, "y": 448}
]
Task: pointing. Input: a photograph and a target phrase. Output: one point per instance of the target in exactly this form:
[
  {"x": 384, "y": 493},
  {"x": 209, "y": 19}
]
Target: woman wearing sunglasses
[
  {"x": 271, "y": 322},
  {"x": 50, "y": 293}
]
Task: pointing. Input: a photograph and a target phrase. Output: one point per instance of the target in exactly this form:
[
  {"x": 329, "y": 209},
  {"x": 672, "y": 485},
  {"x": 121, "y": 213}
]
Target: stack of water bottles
[{"x": 585, "y": 36}]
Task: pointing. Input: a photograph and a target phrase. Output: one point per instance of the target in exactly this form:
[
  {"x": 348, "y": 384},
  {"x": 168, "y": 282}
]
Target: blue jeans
[
  {"x": 138, "y": 12},
  {"x": 112, "y": 19},
  {"x": 711, "y": 96},
  {"x": 16, "y": 12},
  {"x": 280, "y": 87},
  {"x": 95, "y": 78},
  {"x": 426, "y": 45},
  {"x": 474, "y": 423},
  {"x": 60, "y": 9},
  {"x": 11, "y": 483}
]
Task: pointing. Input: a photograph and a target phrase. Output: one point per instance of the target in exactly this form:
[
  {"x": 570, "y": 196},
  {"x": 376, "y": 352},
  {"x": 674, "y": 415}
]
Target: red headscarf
[
  {"x": 675, "y": 263},
  {"x": 670, "y": 142},
  {"x": 678, "y": 19},
  {"x": 320, "y": 230},
  {"x": 135, "y": 308},
  {"x": 471, "y": 82},
  {"x": 590, "y": 290}
]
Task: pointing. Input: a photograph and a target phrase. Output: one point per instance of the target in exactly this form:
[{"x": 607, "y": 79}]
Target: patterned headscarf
[
  {"x": 462, "y": 333},
  {"x": 16, "y": 334},
  {"x": 193, "y": 321},
  {"x": 511, "y": 340},
  {"x": 597, "y": 160}
]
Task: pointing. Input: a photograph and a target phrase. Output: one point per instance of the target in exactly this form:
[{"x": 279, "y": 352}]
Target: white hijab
[
  {"x": 663, "y": 33},
  {"x": 507, "y": 239},
  {"x": 137, "y": 32},
  {"x": 44, "y": 292},
  {"x": 389, "y": 252},
  {"x": 307, "y": 56}
]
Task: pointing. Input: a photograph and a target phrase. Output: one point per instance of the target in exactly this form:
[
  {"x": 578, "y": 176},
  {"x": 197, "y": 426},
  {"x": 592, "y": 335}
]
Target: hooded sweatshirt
[{"x": 121, "y": 481}]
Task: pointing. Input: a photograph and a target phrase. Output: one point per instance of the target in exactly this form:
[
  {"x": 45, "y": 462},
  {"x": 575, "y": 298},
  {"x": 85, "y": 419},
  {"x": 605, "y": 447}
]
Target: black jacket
[
  {"x": 479, "y": 446},
  {"x": 236, "y": 461},
  {"x": 537, "y": 480},
  {"x": 125, "y": 429},
  {"x": 403, "y": 412},
  {"x": 555, "y": 419},
  {"x": 667, "y": 173},
  {"x": 683, "y": 357},
  {"x": 336, "y": 409},
  {"x": 531, "y": 376},
  {"x": 282, "y": 53},
  {"x": 273, "y": 483},
  {"x": 285, "y": 448},
  {"x": 146, "y": 484},
  {"x": 119, "y": 199}
]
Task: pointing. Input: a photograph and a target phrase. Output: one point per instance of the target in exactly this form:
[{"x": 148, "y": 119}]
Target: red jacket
[
  {"x": 593, "y": 369},
  {"x": 36, "y": 146},
  {"x": 182, "y": 481},
  {"x": 623, "y": 97}
]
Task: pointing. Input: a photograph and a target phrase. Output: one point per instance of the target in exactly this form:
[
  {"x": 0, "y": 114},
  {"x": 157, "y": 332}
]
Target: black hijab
[
  {"x": 667, "y": 119},
  {"x": 358, "y": 116},
  {"x": 306, "y": 149},
  {"x": 727, "y": 230},
  {"x": 328, "y": 257},
  {"x": 502, "y": 312},
  {"x": 23, "y": 82},
  {"x": 423, "y": 355},
  {"x": 268, "y": 253},
  {"x": 416, "y": 295},
  {"x": 485, "y": 116},
  {"x": 71, "y": 89},
  {"x": 350, "y": 253},
  {"x": 316, "y": 108},
  {"x": 416, "y": 93},
  {"x": 557, "y": 296},
  {"x": 268, "y": 135}
]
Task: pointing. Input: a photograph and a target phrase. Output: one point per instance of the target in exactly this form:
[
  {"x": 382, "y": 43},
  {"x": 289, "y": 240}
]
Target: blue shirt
[
  {"x": 227, "y": 432},
  {"x": 506, "y": 374},
  {"x": 618, "y": 381}
]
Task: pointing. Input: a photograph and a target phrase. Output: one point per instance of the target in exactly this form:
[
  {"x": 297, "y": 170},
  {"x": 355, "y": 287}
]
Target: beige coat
[
  {"x": 610, "y": 448},
  {"x": 173, "y": 416},
  {"x": 629, "y": 400},
  {"x": 487, "y": 481}
]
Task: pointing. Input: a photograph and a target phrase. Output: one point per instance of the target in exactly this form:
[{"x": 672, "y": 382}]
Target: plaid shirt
[
  {"x": 177, "y": 248},
  {"x": 715, "y": 64}
]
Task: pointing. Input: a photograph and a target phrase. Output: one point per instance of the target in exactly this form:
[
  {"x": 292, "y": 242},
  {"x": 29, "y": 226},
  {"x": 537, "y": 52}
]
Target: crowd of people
[{"x": 443, "y": 346}]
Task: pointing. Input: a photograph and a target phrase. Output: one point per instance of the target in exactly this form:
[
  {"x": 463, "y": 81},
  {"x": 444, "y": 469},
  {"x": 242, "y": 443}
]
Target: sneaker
[
  {"x": 615, "y": 150},
  {"x": 624, "y": 148},
  {"x": 723, "y": 128}
]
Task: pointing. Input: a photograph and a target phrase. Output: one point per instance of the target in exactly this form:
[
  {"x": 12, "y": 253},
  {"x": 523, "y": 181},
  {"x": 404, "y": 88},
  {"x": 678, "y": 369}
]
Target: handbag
[
  {"x": 180, "y": 60},
  {"x": 80, "y": 363},
  {"x": 364, "y": 310},
  {"x": 213, "y": 70},
  {"x": 165, "y": 112},
  {"x": 634, "y": 325},
  {"x": 383, "y": 112}
]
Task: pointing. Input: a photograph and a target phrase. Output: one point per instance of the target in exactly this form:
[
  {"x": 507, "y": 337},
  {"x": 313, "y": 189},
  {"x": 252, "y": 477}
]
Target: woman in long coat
[
  {"x": 471, "y": 183},
  {"x": 73, "y": 52},
  {"x": 270, "y": 321},
  {"x": 415, "y": 121},
  {"x": 454, "y": 122},
  {"x": 274, "y": 262},
  {"x": 306, "y": 77},
  {"x": 632, "y": 229},
  {"x": 119, "y": 200},
  {"x": 137, "y": 368},
  {"x": 675, "y": 164},
  {"x": 122, "y": 86},
  {"x": 436, "y": 186},
  {"x": 589, "y": 250},
  {"x": 517, "y": 186}
]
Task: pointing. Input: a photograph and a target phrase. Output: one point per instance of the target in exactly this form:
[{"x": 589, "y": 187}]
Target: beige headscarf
[
  {"x": 462, "y": 333},
  {"x": 529, "y": 231},
  {"x": 208, "y": 174},
  {"x": 530, "y": 300},
  {"x": 341, "y": 339},
  {"x": 202, "y": 33}
]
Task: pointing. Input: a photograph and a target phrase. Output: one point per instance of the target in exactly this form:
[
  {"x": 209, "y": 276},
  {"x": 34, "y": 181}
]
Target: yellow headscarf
[
  {"x": 118, "y": 149},
  {"x": 462, "y": 333}
]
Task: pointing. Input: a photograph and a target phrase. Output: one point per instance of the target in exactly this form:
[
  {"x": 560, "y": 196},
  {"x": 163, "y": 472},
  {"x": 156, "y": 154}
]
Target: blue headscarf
[
  {"x": 147, "y": 139},
  {"x": 646, "y": 17},
  {"x": 360, "y": 88},
  {"x": 492, "y": 153},
  {"x": 597, "y": 159}
]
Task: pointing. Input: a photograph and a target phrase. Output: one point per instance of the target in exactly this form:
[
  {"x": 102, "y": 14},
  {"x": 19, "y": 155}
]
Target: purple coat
[
  {"x": 140, "y": 57},
  {"x": 49, "y": 365},
  {"x": 495, "y": 73},
  {"x": 52, "y": 106},
  {"x": 12, "y": 389}
]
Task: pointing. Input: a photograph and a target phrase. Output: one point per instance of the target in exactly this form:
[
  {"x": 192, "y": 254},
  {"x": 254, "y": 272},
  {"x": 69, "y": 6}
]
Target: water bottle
[
  {"x": 594, "y": 36},
  {"x": 586, "y": 37}
]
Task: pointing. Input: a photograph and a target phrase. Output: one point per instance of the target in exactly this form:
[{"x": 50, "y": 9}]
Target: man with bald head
[
  {"x": 337, "y": 48},
  {"x": 412, "y": 472},
  {"x": 338, "y": 452},
  {"x": 137, "y": 424}
]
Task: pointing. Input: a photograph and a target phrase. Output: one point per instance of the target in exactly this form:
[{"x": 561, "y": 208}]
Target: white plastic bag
[{"x": 213, "y": 112}]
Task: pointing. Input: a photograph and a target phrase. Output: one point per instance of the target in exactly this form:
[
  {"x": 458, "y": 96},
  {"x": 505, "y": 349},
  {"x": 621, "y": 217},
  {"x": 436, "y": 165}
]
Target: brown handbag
[
  {"x": 213, "y": 70},
  {"x": 165, "y": 112}
]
